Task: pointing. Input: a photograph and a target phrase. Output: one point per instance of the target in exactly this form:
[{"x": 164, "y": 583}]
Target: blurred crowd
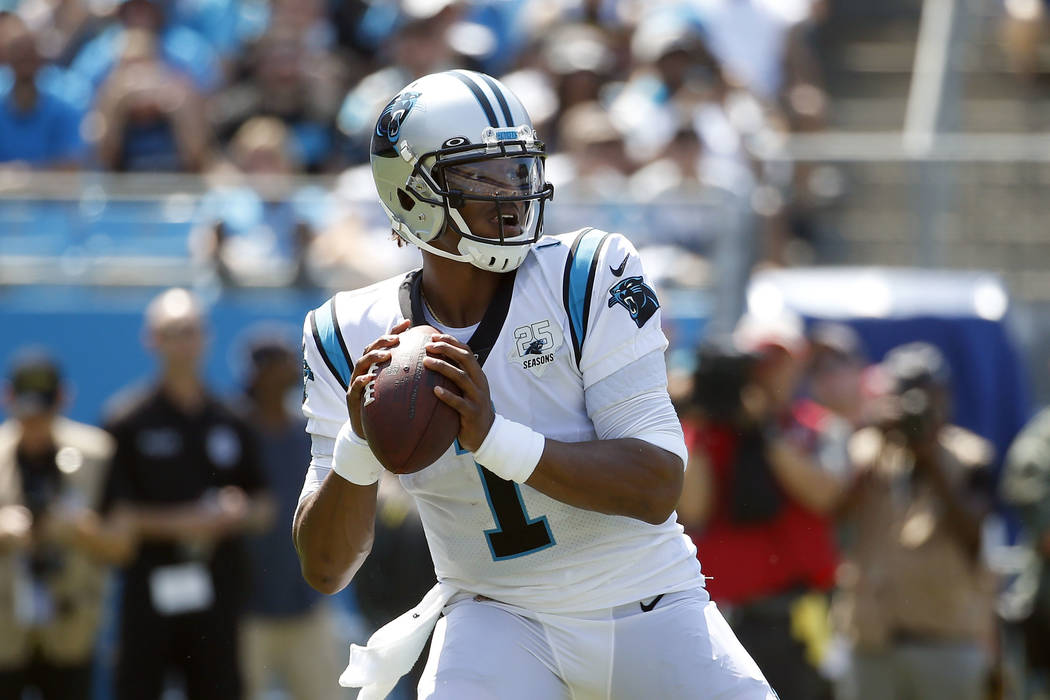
[
  {"x": 843, "y": 519},
  {"x": 838, "y": 513},
  {"x": 663, "y": 98}
]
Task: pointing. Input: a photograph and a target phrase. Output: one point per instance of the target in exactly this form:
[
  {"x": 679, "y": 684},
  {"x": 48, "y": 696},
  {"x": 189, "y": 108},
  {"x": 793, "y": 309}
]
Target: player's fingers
[
  {"x": 459, "y": 377},
  {"x": 360, "y": 381},
  {"x": 390, "y": 339},
  {"x": 384, "y": 341},
  {"x": 457, "y": 402},
  {"x": 461, "y": 355},
  {"x": 451, "y": 340},
  {"x": 365, "y": 362}
]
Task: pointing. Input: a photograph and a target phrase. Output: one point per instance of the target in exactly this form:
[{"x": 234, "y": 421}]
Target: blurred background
[{"x": 882, "y": 166}]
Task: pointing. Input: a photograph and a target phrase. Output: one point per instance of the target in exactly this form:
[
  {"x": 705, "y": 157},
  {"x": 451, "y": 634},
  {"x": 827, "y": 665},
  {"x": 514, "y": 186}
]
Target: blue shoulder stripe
[
  {"x": 329, "y": 339},
  {"x": 580, "y": 270}
]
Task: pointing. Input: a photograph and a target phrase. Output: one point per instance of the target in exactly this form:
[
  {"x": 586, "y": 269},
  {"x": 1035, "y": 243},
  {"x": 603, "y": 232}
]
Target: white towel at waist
[{"x": 394, "y": 647}]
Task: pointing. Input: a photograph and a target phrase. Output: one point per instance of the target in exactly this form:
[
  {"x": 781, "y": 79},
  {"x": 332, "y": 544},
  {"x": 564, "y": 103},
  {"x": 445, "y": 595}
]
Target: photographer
[
  {"x": 53, "y": 546},
  {"x": 756, "y": 501},
  {"x": 916, "y": 598}
]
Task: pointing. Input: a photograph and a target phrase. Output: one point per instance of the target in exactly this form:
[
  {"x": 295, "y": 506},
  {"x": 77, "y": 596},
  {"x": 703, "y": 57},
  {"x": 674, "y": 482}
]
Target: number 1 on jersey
[{"x": 515, "y": 534}]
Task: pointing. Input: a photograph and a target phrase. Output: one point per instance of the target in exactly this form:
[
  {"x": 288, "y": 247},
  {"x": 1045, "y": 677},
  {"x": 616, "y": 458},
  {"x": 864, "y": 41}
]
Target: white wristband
[
  {"x": 511, "y": 450},
  {"x": 352, "y": 458}
]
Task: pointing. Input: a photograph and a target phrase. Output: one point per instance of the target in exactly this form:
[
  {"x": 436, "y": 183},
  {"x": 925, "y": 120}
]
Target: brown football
[{"x": 407, "y": 425}]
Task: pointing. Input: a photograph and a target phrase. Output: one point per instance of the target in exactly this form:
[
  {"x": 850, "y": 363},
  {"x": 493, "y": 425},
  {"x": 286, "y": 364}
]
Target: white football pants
[{"x": 680, "y": 648}]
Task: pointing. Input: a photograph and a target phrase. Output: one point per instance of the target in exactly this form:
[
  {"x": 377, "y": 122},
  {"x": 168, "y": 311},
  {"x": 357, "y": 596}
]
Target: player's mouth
[{"x": 508, "y": 224}]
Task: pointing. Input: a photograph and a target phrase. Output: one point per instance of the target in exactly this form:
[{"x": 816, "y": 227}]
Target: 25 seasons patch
[{"x": 535, "y": 346}]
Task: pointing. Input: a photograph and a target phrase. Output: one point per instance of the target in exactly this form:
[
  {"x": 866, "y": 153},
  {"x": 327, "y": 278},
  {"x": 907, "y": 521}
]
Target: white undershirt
[{"x": 460, "y": 334}]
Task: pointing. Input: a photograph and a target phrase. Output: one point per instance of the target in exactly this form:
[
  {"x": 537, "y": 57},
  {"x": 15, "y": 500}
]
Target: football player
[{"x": 562, "y": 571}]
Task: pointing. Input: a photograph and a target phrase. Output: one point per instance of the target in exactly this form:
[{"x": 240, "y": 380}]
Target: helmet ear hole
[{"x": 406, "y": 200}]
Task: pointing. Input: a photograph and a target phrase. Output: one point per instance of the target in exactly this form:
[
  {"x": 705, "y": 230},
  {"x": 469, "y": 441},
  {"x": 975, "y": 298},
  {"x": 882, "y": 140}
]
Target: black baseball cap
[
  {"x": 916, "y": 365},
  {"x": 36, "y": 383}
]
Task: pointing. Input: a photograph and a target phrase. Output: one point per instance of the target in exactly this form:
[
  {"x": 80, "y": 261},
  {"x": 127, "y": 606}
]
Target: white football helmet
[{"x": 457, "y": 142}]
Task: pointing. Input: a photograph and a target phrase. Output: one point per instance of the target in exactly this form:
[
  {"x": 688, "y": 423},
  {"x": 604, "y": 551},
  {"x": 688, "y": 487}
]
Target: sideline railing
[{"x": 135, "y": 230}]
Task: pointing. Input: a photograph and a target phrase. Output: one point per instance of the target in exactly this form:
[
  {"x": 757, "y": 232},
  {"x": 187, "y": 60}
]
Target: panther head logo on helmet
[{"x": 388, "y": 128}]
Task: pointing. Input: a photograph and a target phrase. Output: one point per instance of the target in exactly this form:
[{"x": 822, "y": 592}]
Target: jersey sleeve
[
  {"x": 614, "y": 314},
  {"x": 632, "y": 402},
  {"x": 327, "y": 368}
]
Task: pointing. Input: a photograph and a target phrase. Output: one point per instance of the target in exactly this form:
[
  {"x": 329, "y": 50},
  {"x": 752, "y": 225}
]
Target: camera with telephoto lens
[
  {"x": 46, "y": 559},
  {"x": 915, "y": 413},
  {"x": 721, "y": 374},
  {"x": 917, "y": 373}
]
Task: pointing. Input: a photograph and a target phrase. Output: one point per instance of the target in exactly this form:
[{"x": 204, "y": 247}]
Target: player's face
[{"x": 493, "y": 191}]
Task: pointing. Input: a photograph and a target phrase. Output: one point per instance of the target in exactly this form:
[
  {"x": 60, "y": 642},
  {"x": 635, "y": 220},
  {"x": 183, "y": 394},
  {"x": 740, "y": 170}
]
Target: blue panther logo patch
[
  {"x": 535, "y": 347},
  {"x": 308, "y": 374},
  {"x": 636, "y": 296},
  {"x": 388, "y": 128}
]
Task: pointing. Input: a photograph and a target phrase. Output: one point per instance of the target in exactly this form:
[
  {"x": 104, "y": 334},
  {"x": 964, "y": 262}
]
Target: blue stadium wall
[{"x": 96, "y": 335}]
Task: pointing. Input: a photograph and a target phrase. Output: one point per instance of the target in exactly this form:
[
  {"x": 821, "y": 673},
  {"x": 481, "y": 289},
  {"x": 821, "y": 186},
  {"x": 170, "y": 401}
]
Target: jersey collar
[{"x": 410, "y": 298}]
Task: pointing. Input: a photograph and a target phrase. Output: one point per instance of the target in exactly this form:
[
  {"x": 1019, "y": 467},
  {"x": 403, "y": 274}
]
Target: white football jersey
[{"x": 576, "y": 310}]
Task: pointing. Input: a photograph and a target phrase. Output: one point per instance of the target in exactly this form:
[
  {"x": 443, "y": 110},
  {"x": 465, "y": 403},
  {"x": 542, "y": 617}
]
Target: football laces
[{"x": 370, "y": 390}]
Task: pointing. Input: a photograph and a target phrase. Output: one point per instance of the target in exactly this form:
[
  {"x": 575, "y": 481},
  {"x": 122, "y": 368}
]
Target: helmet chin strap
[
  {"x": 479, "y": 254},
  {"x": 423, "y": 245},
  {"x": 477, "y": 259}
]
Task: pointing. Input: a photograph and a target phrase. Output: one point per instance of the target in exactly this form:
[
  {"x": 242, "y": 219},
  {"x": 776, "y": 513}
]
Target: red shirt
[{"x": 746, "y": 561}]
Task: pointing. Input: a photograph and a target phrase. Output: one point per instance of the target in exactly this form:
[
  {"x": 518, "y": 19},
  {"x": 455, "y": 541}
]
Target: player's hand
[
  {"x": 377, "y": 351},
  {"x": 456, "y": 361}
]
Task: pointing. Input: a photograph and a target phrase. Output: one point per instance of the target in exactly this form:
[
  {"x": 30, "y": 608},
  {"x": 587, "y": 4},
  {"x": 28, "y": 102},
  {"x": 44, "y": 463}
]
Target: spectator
[
  {"x": 757, "y": 40},
  {"x": 357, "y": 224},
  {"x": 591, "y": 172},
  {"x": 186, "y": 474},
  {"x": 839, "y": 405},
  {"x": 757, "y": 502},
  {"x": 416, "y": 48},
  {"x": 1023, "y": 31},
  {"x": 676, "y": 74},
  {"x": 54, "y": 548},
  {"x": 180, "y": 49},
  {"x": 579, "y": 61},
  {"x": 38, "y": 125},
  {"x": 227, "y": 25},
  {"x": 261, "y": 227},
  {"x": 916, "y": 597},
  {"x": 289, "y": 629},
  {"x": 290, "y": 81},
  {"x": 61, "y": 26},
  {"x": 1026, "y": 486},
  {"x": 764, "y": 48},
  {"x": 150, "y": 118},
  {"x": 679, "y": 85}
]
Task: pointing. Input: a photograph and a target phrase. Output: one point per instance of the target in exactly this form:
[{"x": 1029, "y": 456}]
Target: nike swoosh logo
[
  {"x": 619, "y": 270},
  {"x": 654, "y": 601}
]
